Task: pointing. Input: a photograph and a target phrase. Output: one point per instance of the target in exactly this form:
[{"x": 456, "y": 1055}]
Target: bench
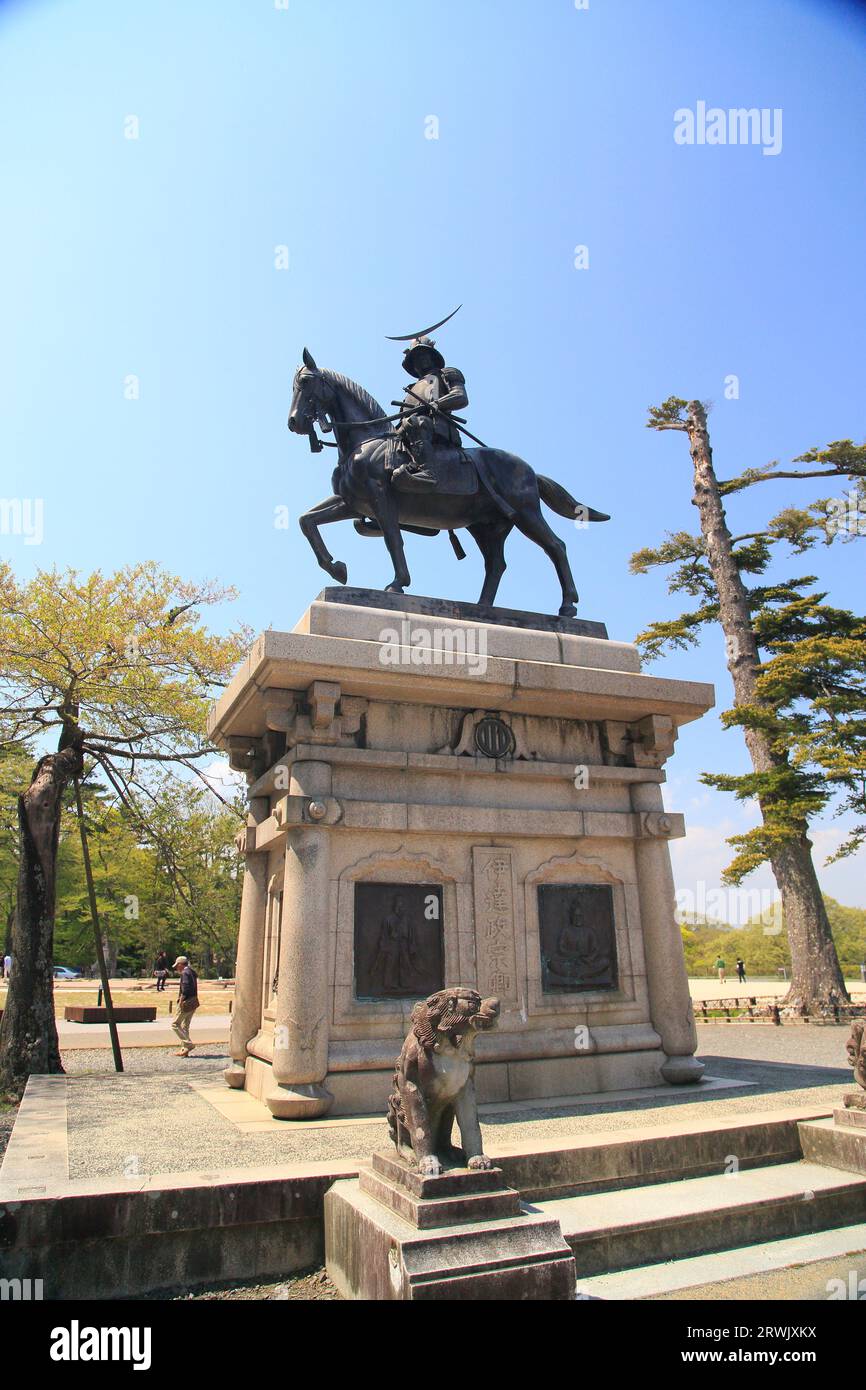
[{"x": 85, "y": 1013}]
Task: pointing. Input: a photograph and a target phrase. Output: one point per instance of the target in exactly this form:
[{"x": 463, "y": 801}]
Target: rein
[
  {"x": 379, "y": 419},
  {"x": 317, "y": 444}
]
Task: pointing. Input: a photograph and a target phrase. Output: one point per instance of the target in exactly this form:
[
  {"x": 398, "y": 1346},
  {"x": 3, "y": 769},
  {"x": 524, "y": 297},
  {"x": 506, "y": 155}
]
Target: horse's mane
[{"x": 369, "y": 403}]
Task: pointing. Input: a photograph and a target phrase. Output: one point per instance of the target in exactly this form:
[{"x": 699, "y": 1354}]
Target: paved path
[
  {"x": 712, "y": 988},
  {"x": 206, "y": 1028}
]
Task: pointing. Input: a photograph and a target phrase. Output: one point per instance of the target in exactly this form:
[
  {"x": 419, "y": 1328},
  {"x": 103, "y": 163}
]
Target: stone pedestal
[
  {"x": 444, "y": 794},
  {"x": 391, "y": 1234}
]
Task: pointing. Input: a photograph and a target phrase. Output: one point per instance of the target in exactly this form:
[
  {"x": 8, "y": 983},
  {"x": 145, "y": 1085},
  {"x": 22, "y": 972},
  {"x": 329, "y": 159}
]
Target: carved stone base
[
  {"x": 440, "y": 793},
  {"x": 298, "y": 1102},
  {"x": 392, "y": 1234},
  {"x": 235, "y": 1075},
  {"x": 854, "y": 1100}
]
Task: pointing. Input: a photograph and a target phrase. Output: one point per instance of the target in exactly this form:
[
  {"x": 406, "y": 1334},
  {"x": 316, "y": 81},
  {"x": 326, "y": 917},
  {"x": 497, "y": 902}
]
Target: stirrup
[{"x": 406, "y": 481}]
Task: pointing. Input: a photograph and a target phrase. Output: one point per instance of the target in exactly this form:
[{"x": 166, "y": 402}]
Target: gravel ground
[
  {"x": 308, "y": 1285},
  {"x": 316, "y": 1286},
  {"x": 157, "y": 1123},
  {"x": 126, "y": 1125},
  {"x": 207, "y": 1061}
]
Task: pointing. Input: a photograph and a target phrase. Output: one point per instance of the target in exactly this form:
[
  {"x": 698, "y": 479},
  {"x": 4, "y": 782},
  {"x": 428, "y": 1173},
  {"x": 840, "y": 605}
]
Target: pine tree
[{"x": 798, "y": 669}]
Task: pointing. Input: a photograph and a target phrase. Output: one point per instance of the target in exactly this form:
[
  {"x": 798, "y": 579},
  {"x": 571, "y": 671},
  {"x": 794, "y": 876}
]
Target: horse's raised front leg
[
  {"x": 332, "y": 509},
  {"x": 388, "y": 519}
]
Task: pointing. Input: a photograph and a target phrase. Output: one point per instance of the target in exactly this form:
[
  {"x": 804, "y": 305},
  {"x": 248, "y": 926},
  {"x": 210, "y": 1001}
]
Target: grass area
[
  {"x": 713, "y": 1015},
  {"x": 125, "y": 993}
]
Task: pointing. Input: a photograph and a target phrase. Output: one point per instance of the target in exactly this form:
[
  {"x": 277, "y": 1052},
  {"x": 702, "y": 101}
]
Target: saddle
[{"x": 455, "y": 474}]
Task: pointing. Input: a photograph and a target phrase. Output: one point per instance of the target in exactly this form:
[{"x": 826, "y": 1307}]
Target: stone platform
[
  {"x": 199, "y": 1217},
  {"x": 379, "y": 599},
  {"x": 438, "y": 798},
  {"x": 393, "y": 1234}
]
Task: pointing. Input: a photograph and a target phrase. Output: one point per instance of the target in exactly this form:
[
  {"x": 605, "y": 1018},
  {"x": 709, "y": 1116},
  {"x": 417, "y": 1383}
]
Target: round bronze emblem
[{"x": 493, "y": 738}]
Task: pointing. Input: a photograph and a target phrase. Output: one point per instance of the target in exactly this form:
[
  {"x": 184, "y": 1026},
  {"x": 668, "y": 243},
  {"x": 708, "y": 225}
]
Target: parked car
[{"x": 63, "y": 972}]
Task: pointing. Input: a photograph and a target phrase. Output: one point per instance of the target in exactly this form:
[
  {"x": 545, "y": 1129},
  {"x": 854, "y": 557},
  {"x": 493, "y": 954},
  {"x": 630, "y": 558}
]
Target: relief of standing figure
[{"x": 395, "y": 953}]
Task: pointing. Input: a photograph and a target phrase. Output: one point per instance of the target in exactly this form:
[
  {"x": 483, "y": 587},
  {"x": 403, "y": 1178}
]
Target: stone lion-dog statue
[
  {"x": 434, "y": 1081},
  {"x": 856, "y": 1049}
]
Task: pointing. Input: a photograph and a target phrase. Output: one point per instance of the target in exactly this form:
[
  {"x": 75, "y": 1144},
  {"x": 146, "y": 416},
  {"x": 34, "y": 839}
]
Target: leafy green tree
[
  {"x": 763, "y": 948},
  {"x": 191, "y": 835},
  {"x": 763, "y": 943},
  {"x": 116, "y": 670},
  {"x": 798, "y": 669},
  {"x": 849, "y": 933},
  {"x": 171, "y": 882}
]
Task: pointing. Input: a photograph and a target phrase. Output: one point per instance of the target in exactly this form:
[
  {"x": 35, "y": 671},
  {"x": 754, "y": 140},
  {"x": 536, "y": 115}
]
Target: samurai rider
[{"x": 427, "y": 433}]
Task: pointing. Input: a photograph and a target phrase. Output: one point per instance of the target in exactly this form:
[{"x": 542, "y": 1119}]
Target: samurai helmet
[
  {"x": 420, "y": 343},
  {"x": 421, "y": 347}
]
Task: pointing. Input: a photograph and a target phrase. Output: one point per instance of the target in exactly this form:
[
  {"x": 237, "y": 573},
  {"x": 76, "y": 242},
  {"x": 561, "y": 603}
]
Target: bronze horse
[{"x": 363, "y": 491}]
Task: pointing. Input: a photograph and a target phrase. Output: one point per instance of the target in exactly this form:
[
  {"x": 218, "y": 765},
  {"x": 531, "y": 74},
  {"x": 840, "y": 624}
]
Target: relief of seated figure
[{"x": 580, "y": 954}]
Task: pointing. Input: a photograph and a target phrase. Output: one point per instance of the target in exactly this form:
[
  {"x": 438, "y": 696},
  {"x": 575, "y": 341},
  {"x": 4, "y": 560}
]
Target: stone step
[
  {"x": 839, "y": 1142},
  {"x": 588, "y": 1163},
  {"x": 429, "y": 1212},
  {"x": 752, "y": 1271},
  {"x": 665, "y": 1221}
]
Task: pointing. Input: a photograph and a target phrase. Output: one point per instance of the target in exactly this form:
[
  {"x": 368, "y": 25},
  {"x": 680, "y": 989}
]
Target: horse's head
[{"x": 310, "y": 397}]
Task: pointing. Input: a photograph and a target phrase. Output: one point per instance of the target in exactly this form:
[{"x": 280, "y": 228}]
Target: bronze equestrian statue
[{"x": 410, "y": 472}]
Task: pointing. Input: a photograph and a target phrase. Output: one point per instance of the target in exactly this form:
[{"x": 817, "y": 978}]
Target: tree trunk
[
  {"x": 28, "y": 1034},
  {"x": 816, "y": 978}
]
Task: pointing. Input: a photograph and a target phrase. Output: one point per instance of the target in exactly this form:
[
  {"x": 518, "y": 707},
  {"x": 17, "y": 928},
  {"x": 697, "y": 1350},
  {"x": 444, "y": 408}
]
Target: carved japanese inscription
[
  {"x": 577, "y": 937},
  {"x": 398, "y": 940},
  {"x": 494, "y": 923}
]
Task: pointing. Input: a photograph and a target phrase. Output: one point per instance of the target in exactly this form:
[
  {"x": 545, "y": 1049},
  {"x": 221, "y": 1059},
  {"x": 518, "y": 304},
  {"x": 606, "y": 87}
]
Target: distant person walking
[
  {"x": 862, "y": 970},
  {"x": 741, "y": 970},
  {"x": 7, "y": 966},
  {"x": 187, "y": 1003},
  {"x": 720, "y": 966},
  {"x": 160, "y": 970}
]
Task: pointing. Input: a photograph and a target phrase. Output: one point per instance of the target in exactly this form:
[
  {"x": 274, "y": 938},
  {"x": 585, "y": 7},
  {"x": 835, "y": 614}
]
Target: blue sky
[{"x": 261, "y": 126}]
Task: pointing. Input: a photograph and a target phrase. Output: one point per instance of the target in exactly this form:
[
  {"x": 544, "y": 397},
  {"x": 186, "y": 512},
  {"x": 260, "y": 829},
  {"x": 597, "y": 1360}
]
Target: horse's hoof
[
  {"x": 339, "y": 572},
  {"x": 393, "y": 588},
  {"x": 568, "y": 610}
]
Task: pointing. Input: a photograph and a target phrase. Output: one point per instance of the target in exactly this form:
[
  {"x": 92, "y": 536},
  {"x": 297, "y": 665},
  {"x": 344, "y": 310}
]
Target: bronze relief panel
[
  {"x": 577, "y": 937},
  {"x": 398, "y": 940}
]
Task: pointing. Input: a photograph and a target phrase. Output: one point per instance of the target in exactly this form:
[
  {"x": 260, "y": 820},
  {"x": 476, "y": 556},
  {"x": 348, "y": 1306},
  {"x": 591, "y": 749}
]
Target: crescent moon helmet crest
[{"x": 422, "y": 333}]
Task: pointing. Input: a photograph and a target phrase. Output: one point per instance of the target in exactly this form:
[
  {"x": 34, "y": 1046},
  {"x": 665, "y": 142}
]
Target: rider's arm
[{"x": 455, "y": 397}]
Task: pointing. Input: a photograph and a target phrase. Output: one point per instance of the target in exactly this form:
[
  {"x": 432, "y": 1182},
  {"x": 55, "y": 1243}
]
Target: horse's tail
[{"x": 561, "y": 501}]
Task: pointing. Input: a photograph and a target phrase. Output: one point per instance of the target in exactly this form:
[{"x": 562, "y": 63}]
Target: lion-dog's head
[
  {"x": 856, "y": 1049},
  {"x": 456, "y": 1014}
]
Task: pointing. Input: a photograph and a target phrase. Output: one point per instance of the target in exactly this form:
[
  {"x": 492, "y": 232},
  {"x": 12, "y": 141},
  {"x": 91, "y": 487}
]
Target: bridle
[{"x": 326, "y": 422}]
